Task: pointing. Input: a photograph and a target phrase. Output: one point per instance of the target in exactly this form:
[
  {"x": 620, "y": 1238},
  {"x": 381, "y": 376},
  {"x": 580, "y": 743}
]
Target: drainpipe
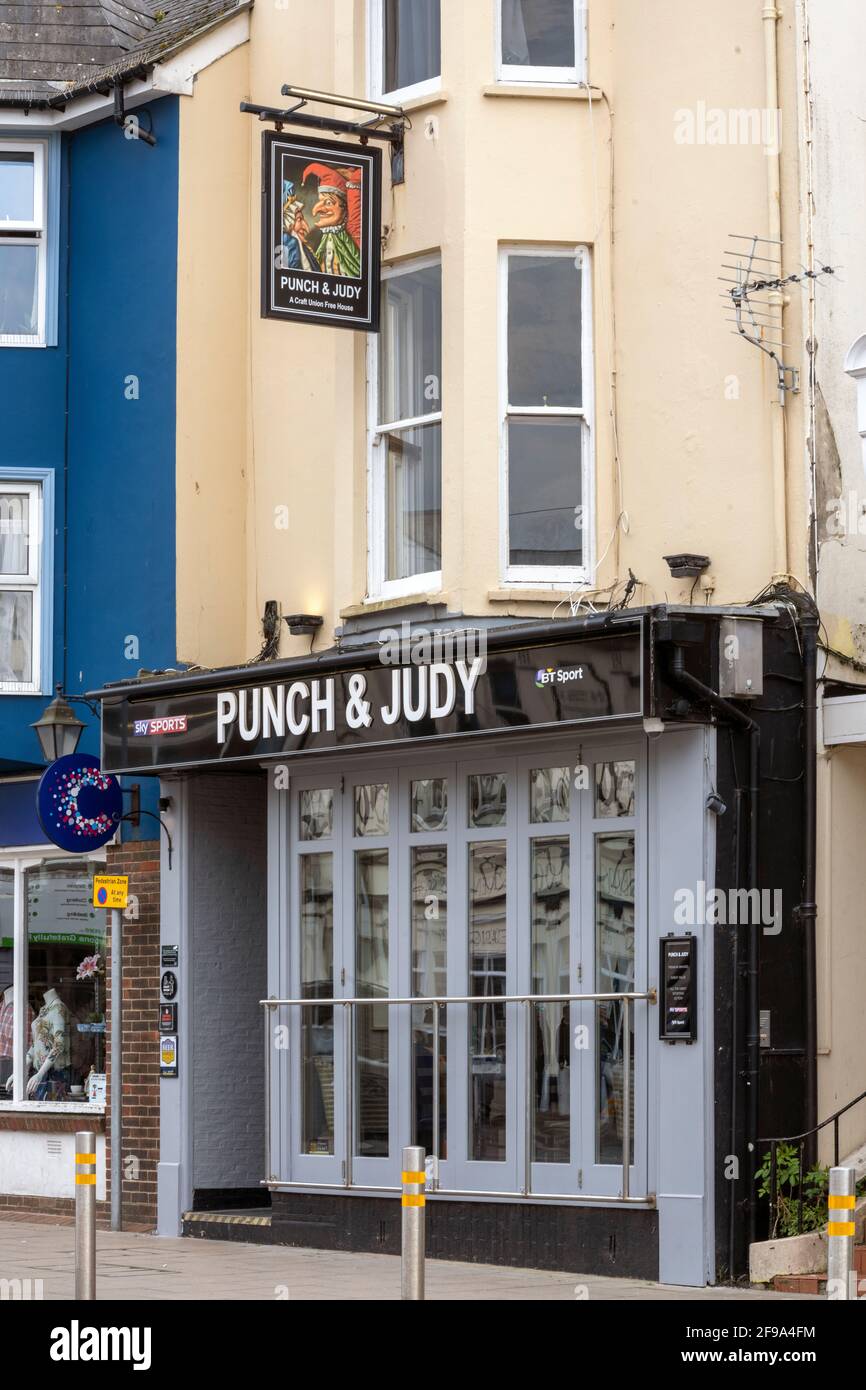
[
  {"x": 807, "y": 910},
  {"x": 770, "y": 16},
  {"x": 686, "y": 681}
]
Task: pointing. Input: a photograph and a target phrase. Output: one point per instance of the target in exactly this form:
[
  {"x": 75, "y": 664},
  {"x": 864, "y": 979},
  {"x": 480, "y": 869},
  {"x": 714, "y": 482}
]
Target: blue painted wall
[{"x": 111, "y": 441}]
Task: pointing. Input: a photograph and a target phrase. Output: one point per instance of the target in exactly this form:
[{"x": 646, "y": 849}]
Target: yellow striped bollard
[
  {"x": 85, "y": 1215},
  {"x": 412, "y": 1268},
  {"x": 840, "y": 1234}
]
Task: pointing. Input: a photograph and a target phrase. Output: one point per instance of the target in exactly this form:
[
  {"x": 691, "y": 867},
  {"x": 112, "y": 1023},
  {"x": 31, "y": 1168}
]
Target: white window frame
[
  {"x": 377, "y": 461},
  {"x": 521, "y": 75},
  {"x": 29, "y": 583},
  {"x": 375, "y": 61},
  {"x": 20, "y": 859},
  {"x": 563, "y": 576},
  {"x": 31, "y": 233}
]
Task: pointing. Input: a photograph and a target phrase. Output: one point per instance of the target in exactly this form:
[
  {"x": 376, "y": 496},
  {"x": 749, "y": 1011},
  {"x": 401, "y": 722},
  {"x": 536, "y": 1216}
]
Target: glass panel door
[
  {"x": 369, "y": 866},
  {"x": 484, "y": 1046},
  {"x": 317, "y": 1032},
  {"x": 614, "y": 950},
  {"x": 550, "y": 956}
]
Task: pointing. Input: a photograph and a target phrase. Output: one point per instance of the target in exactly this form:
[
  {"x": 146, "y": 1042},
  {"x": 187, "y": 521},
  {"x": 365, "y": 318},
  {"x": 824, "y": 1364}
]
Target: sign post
[{"x": 111, "y": 891}]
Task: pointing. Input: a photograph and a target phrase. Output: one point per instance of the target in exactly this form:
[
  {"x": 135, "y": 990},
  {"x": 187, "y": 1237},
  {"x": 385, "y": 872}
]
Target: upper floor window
[
  {"x": 405, "y": 47},
  {"x": 406, "y": 432},
  {"x": 23, "y": 225},
  {"x": 542, "y": 40},
  {"x": 546, "y": 383},
  {"x": 20, "y": 581}
]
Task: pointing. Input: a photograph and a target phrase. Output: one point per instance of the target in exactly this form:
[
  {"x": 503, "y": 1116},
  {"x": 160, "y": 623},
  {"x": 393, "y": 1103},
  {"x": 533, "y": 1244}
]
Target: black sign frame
[
  {"x": 678, "y": 989},
  {"x": 311, "y": 295},
  {"x": 519, "y": 690}
]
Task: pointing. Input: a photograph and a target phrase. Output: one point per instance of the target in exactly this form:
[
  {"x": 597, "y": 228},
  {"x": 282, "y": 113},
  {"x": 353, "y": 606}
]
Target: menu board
[{"x": 678, "y": 977}]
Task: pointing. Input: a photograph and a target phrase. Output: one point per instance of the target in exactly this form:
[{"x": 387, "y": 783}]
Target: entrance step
[
  {"x": 817, "y": 1283},
  {"x": 250, "y": 1227}
]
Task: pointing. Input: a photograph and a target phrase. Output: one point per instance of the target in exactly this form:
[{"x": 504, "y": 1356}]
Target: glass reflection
[
  {"x": 317, "y": 982},
  {"x": 371, "y": 1021},
  {"x": 544, "y": 491},
  {"x": 487, "y": 976},
  {"x": 614, "y": 789},
  {"x": 488, "y": 794},
  {"x": 429, "y": 870},
  {"x": 371, "y": 809},
  {"x": 550, "y": 975},
  {"x": 549, "y": 794},
  {"x": 429, "y": 805},
  {"x": 317, "y": 813},
  {"x": 615, "y": 960}
]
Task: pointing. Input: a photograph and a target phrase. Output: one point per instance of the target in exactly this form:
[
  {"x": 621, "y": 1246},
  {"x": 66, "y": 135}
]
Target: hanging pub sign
[{"x": 321, "y": 220}]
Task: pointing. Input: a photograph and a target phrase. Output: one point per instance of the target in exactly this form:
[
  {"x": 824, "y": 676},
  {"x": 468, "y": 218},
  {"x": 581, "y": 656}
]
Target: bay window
[
  {"x": 541, "y": 41},
  {"x": 545, "y": 393},
  {"x": 405, "y": 47},
  {"x": 406, "y": 432}
]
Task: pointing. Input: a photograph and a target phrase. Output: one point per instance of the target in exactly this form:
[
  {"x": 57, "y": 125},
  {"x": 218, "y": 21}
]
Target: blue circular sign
[{"x": 79, "y": 806}]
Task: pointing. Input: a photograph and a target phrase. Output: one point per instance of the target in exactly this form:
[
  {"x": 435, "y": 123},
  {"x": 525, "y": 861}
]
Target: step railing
[{"x": 800, "y": 1141}]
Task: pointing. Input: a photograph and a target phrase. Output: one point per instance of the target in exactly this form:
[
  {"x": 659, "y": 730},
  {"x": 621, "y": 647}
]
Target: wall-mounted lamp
[
  {"x": 58, "y": 729},
  {"x": 303, "y": 624},
  {"x": 687, "y": 565}
]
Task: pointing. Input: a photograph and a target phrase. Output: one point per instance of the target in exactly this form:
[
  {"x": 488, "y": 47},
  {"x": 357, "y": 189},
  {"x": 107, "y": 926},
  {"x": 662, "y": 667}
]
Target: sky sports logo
[
  {"x": 177, "y": 724},
  {"x": 558, "y": 675}
]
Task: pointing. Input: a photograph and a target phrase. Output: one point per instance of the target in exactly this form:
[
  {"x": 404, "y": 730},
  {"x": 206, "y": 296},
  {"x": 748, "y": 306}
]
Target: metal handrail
[
  {"x": 800, "y": 1141},
  {"x": 627, "y": 999}
]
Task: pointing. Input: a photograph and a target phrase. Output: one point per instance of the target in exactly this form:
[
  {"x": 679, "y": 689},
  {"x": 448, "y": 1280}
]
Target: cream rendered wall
[
  {"x": 696, "y": 466},
  {"x": 216, "y": 185}
]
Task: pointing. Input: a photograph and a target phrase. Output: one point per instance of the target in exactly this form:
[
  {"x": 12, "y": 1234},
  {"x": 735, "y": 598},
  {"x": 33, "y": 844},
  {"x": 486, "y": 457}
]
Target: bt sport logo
[{"x": 558, "y": 676}]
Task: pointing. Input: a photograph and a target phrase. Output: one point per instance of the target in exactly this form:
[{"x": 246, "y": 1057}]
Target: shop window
[
  {"x": 27, "y": 259},
  {"x": 406, "y": 432},
  {"x": 372, "y": 1021},
  {"x": 317, "y": 982},
  {"x": 405, "y": 47},
  {"x": 542, "y": 40},
  {"x": 429, "y": 879},
  {"x": 62, "y": 989},
  {"x": 546, "y": 435},
  {"x": 550, "y": 932},
  {"x": 20, "y": 575},
  {"x": 488, "y": 1053},
  {"x": 615, "y": 974}
]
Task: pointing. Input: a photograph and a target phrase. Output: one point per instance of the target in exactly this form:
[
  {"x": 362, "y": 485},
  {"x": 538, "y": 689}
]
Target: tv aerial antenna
[{"x": 753, "y": 267}]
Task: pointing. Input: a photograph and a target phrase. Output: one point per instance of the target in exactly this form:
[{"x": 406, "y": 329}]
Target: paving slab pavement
[{"x": 138, "y": 1267}]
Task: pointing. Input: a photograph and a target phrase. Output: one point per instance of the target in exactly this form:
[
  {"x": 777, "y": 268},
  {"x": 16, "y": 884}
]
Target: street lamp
[{"x": 59, "y": 729}]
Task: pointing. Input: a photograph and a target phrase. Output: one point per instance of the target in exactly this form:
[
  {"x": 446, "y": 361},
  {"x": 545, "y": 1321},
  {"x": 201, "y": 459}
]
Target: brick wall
[{"x": 139, "y": 859}]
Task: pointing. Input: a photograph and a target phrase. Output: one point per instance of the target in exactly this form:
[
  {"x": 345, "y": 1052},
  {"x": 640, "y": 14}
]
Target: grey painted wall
[{"x": 228, "y": 976}]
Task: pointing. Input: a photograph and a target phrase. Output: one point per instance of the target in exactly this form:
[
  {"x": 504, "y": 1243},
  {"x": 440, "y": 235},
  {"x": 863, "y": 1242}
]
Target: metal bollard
[
  {"x": 85, "y": 1215},
  {"x": 412, "y": 1269},
  {"x": 840, "y": 1232}
]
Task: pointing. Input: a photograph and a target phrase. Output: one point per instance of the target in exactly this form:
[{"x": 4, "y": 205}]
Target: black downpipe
[
  {"x": 807, "y": 910},
  {"x": 683, "y": 678}
]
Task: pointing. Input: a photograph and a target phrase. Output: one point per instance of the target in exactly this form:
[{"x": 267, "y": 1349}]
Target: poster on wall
[{"x": 321, "y": 220}]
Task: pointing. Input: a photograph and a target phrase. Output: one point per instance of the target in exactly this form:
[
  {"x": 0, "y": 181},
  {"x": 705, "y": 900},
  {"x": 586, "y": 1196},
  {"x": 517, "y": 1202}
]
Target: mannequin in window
[
  {"x": 7, "y": 1034},
  {"x": 49, "y": 1049}
]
